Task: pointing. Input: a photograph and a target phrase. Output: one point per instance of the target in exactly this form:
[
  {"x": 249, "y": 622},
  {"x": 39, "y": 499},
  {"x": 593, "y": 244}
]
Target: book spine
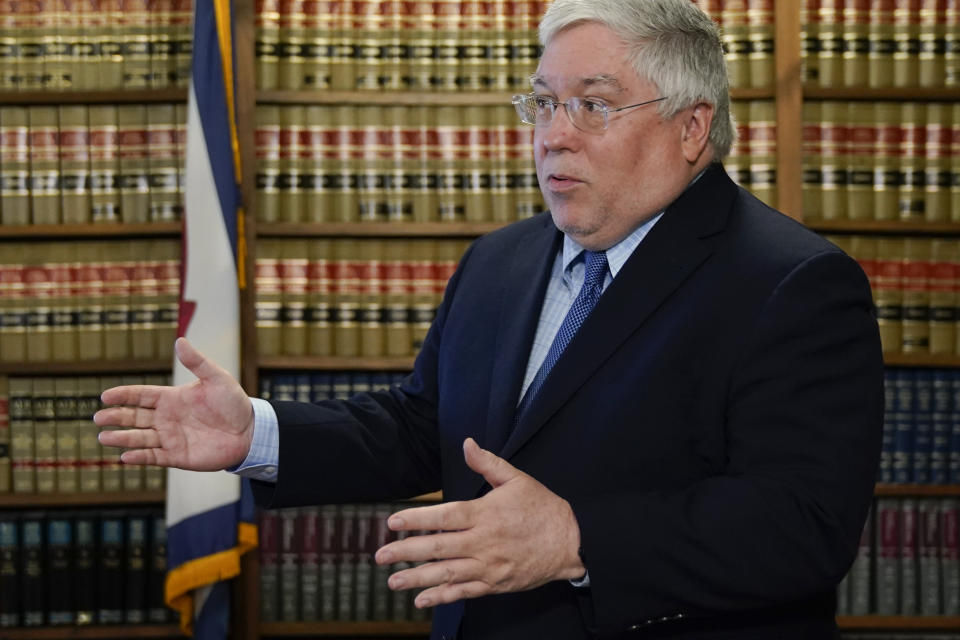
[
  {"x": 888, "y": 439},
  {"x": 88, "y": 278},
  {"x": 74, "y": 164},
  {"x": 903, "y": 453},
  {"x": 883, "y": 44},
  {"x": 309, "y": 527},
  {"x": 44, "y": 165},
  {"x": 909, "y": 557},
  {"x": 906, "y": 38},
  {"x": 954, "y": 430},
  {"x": 346, "y": 562},
  {"x": 346, "y": 295},
  {"x": 931, "y": 588},
  {"x": 319, "y": 304},
  {"x": 268, "y": 526},
  {"x": 87, "y": 55},
  {"x": 15, "y": 168},
  {"x": 888, "y": 293},
  {"x": 856, "y": 43},
  {"x": 830, "y": 60},
  {"x": 329, "y": 535},
  {"x": 316, "y": 44},
  {"x": 363, "y": 575},
  {"x": 887, "y": 583},
  {"x": 85, "y": 568},
  {"x": 61, "y": 608},
  {"x": 886, "y": 172},
  {"x": 268, "y": 143},
  {"x": 67, "y": 430},
  {"x": 165, "y": 257},
  {"x": 159, "y": 17},
  {"x": 269, "y": 304},
  {"x": 135, "y": 43},
  {"x": 33, "y": 580},
  {"x": 763, "y": 150},
  {"x": 38, "y": 293},
  {"x": 163, "y": 165},
  {"x": 944, "y": 278},
  {"x": 6, "y": 479},
  {"x": 834, "y": 146},
  {"x": 862, "y": 137},
  {"x": 292, "y": 135},
  {"x": 950, "y": 555},
  {"x": 63, "y": 312},
  {"x": 319, "y": 138},
  {"x": 289, "y": 575},
  {"x": 396, "y": 286},
  {"x": 379, "y": 591},
  {"x": 292, "y": 34},
  {"x": 116, "y": 300},
  {"x": 22, "y": 440},
  {"x": 31, "y": 24},
  {"x": 940, "y": 420},
  {"x": 861, "y": 573},
  {"x": 372, "y": 334},
  {"x": 760, "y": 31},
  {"x": 110, "y": 40},
  {"x": 13, "y": 312},
  {"x": 915, "y": 336},
  {"x": 267, "y": 48},
  {"x": 9, "y": 49},
  {"x": 144, "y": 309},
  {"x": 132, "y": 140},
  {"x": 937, "y": 163},
  {"x": 135, "y": 568},
  {"x": 294, "y": 265},
  {"x": 110, "y": 569},
  {"x": 912, "y": 175},
  {"x": 10, "y": 570},
  {"x": 45, "y": 432}
]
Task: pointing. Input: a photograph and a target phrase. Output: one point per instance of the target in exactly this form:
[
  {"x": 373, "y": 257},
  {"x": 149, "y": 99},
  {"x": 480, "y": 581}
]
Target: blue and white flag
[{"x": 209, "y": 515}]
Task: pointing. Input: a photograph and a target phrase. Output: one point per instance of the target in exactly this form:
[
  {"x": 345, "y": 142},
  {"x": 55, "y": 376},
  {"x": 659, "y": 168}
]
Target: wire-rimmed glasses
[{"x": 586, "y": 114}]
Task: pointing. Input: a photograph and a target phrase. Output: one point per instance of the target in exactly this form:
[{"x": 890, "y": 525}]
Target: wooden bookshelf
[
  {"x": 926, "y": 623},
  {"x": 916, "y": 94},
  {"x": 896, "y": 227},
  {"x": 78, "y": 367},
  {"x": 917, "y": 490},
  {"x": 159, "y": 229},
  {"x": 377, "y": 229},
  {"x": 92, "y": 632},
  {"x": 921, "y": 360},
  {"x": 119, "y": 96},
  {"x": 327, "y": 629},
  {"x": 336, "y": 363},
  {"x": 43, "y": 500}
]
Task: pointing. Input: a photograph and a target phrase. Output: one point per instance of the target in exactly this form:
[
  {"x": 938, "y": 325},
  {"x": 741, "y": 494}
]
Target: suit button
[{"x": 634, "y": 627}]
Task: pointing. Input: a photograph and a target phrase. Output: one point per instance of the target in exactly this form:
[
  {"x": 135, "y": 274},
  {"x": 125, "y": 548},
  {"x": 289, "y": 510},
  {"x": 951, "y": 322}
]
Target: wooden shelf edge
[
  {"x": 946, "y": 623},
  {"x": 344, "y": 628},
  {"x": 93, "y": 97},
  {"x": 921, "y": 360},
  {"x": 93, "y": 631},
  {"x": 74, "y": 367},
  {"x": 336, "y": 363},
  {"x": 8, "y": 500},
  {"x": 375, "y": 229},
  {"x": 883, "y": 226},
  {"x": 917, "y": 490},
  {"x": 916, "y": 94},
  {"x": 91, "y": 230}
]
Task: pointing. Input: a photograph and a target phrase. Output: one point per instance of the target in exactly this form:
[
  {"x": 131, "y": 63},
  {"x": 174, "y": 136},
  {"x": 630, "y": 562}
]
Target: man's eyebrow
[{"x": 603, "y": 79}]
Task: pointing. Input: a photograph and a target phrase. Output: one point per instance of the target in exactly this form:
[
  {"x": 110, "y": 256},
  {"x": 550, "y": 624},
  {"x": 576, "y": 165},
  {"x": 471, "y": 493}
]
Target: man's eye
[
  {"x": 594, "y": 106},
  {"x": 542, "y": 103}
]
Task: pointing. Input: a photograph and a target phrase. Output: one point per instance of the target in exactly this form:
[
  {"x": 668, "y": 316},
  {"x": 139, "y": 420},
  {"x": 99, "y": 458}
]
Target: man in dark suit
[{"x": 654, "y": 411}]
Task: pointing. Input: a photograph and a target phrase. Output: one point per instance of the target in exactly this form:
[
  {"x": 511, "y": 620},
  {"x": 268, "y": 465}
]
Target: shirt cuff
[
  {"x": 263, "y": 458},
  {"x": 583, "y": 582}
]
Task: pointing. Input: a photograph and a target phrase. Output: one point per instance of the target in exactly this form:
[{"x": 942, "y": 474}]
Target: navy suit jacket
[{"x": 715, "y": 425}]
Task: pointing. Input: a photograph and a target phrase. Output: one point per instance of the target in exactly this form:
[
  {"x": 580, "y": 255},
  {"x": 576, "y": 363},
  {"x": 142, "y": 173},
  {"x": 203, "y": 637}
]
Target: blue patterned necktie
[{"x": 586, "y": 300}]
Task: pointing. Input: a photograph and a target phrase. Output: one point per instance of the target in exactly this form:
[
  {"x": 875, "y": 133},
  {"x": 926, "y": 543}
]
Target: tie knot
[{"x": 596, "y": 267}]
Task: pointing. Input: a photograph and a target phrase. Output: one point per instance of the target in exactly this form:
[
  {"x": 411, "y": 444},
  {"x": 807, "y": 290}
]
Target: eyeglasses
[{"x": 586, "y": 114}]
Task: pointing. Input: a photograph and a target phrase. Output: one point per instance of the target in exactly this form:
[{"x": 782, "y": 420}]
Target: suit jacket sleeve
[{"x": 802, "y": 440}]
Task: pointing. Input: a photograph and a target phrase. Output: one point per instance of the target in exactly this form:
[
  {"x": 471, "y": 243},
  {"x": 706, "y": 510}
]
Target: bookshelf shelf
[
  {"x": 324, "y": 629},
  {"x": 917, "y": 490},
  {"x": 945, "y": 623},
  {"x": 377, "y": 229},
  {"x": 91, "y": 231},
  {"x": 916, "y": 94},
  {"x": 29, "y": 500},
  {"x": 75, "y": 367},
  {"x": 884, "y": 226},
  {"x": 921, "y": 360},
  {"x": 104, "y": 632},
  {"x": 125, "y": 96},
  {"x": 337, "y": 363}
]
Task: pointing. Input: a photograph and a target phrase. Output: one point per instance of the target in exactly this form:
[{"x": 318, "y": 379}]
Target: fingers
[
  {"x": 435, "y": 573},
  {"x": 494, "y": 469},
  {"x": 130, "y": 438},
  {"x": 446, "y": 593},
  {"x": 141, "y": 395},
  {"x": 436, "y": 546},
  {"x": 124, "y": 417},
  {"x": 451, "y": 516},
  {"x": 195, "y": 361}
]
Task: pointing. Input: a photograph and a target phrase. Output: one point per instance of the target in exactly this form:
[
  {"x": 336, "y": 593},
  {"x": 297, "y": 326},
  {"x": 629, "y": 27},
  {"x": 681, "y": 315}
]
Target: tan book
[
  {"x": 267, "y": 144},
  {"x": 449, "y": 167},
  {"x": 394, "y": 58},
  {"x": 397, "y": 299},
  {"x": 737, "y": 43},
  {"x": 163, "y": 163},
  {"x": 346, "y": 289},
  {"x": 883, "y": 45},
  {"x": 912, "y": 176},
  {"x": 918, "y": 256},
  {"x": 181, "y": 35},
  {"x": 9, "y": 46},
  {"x": 420, "y": 38},
  {"x": 475, "y": 27},
  {"x": 88, "y": 294},
  {"x": 38, "y": 290},
  {"x": 319, "y": 298},
  {"x": 955, "y": 162},
  {"x": 104, "y": 164},
  {"x": 294, "y": 264},
  {"x": 160, "y": 18},
  {"x": 343, "y": 47},
  {"x": 498, "y": 42},
  {"x": 888, "y": 293},
  {"x": 424, "y": 187},
  {"x": 763, "y": 150},
  {"x": 447, "y": 41},
  {"x": 856, "y": 43},
  {"x": 88, "y": 403},
  {"x": 834, "y": 147},
  {"x": 737, "y": 163},
  {"x": 831, "y": 61},
  {"x": 523, "y": 43},
  {"x": 110, "y": 466},
  {"x": 22, "y": 440},
  {"x": 74, "y": 164},
  {"x": 951, "y": 55},
  {"x": 446, "y": 257},
  {"x": 31, "y": 25},
  {"x": 421, "y": 258},
  {"x": 292, "y": 40},
  {"x": 293, "y": 121},
  {"x": 58, "y": 63},
  {"x": 501, "y": 202},
  {"x": 810, "y": 39},
  {"x": 45, "y": 434},
  {"x": 886, "y": 161},
  {"x": 144, "y": 306},
  {"x": 937, "y": 162},
  {"x": 526, "y": 194},
  {"x": 166, "y": 260},
  {"x": 15, "y": 166},
  {"x": 932, "y": 43},
  {"x": 479, "y": 155},
  {"x": 135, "y": 43},
  {"x": 371, "y": 310},
  {"x": 109, "y": 39},
  {"x": 373, "y": 164},
  {"x": 44, "y": 165},
  {"x": 91, "y": 21},
  {"x": 66, "y": 392},
  {"x": 13, "y": 305},
  {"x": 269, "y": 303},
  {"x": 401, "y": 171},
  {"x": 906, "y": 37},
  {"x": 134, "y": 165},
  {"x": 812, "y": 187},
  {"x": 117, "y": 260},
  {"x": 760, "y": 31},
  {"x": 6, "y": 480},
  {"x": 267, "y": 34},
  {"x": 318, "y": 16},
  {"x": 350, "y": 156},
  {"x": 181, "y": 131},
  {"x": 862, "y": 135},
  {"x": 64, "y": 319},
  {"x": 944, "y": 278}
]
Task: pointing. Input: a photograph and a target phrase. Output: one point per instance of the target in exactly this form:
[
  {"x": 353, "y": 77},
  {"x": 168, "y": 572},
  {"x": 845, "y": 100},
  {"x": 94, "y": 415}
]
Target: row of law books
[
  {"x": 63, "y": 45},
  {"x": 75, "y": 568},
  {"x": 79, "y": 164},
  {"x": 916, "y": 289},
  {"x": 747, "y": 33},
  {"x": 316, "y": 564},
  {"x": 908, "y": 560},
  {"x": 465, "y": 45},
  {"x": 88, "y": 300},
  {"x": 752, "y": 162},
  {"x": 921, "y": 427},
  {"x": 349, "y": 297},
  {"x": 880, "y": 43},
  {"x": 881, "y": 161},
  {"x": 333, "y": 385},
  {"x": 48, "y": 440}
]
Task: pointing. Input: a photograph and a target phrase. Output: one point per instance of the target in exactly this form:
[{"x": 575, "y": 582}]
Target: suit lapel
[{"x": 671, "y": 252}]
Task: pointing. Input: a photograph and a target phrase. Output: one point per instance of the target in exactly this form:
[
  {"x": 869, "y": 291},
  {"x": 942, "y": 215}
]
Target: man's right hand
[{"x": 206, "y": 425}]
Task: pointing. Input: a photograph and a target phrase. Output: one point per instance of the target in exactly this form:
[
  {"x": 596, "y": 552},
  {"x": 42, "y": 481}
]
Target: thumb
[
  {"x": 192, "y": 359},
  {"x": 493, "y": 468}
]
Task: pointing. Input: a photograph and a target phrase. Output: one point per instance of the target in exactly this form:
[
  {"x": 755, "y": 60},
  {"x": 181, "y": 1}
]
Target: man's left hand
[{"x": 518, "y": 536}]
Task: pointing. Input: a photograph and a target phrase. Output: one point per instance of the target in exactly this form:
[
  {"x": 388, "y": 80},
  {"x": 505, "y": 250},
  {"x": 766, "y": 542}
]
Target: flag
[{"x": 209, "y": 515}]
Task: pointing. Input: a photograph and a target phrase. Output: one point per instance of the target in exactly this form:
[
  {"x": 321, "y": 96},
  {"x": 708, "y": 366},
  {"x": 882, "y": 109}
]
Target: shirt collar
[{"x": 617, "y": 255}]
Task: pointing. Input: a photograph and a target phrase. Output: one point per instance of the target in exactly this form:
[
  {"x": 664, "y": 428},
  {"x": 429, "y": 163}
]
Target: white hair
[{"x": 673, "y": 44}]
